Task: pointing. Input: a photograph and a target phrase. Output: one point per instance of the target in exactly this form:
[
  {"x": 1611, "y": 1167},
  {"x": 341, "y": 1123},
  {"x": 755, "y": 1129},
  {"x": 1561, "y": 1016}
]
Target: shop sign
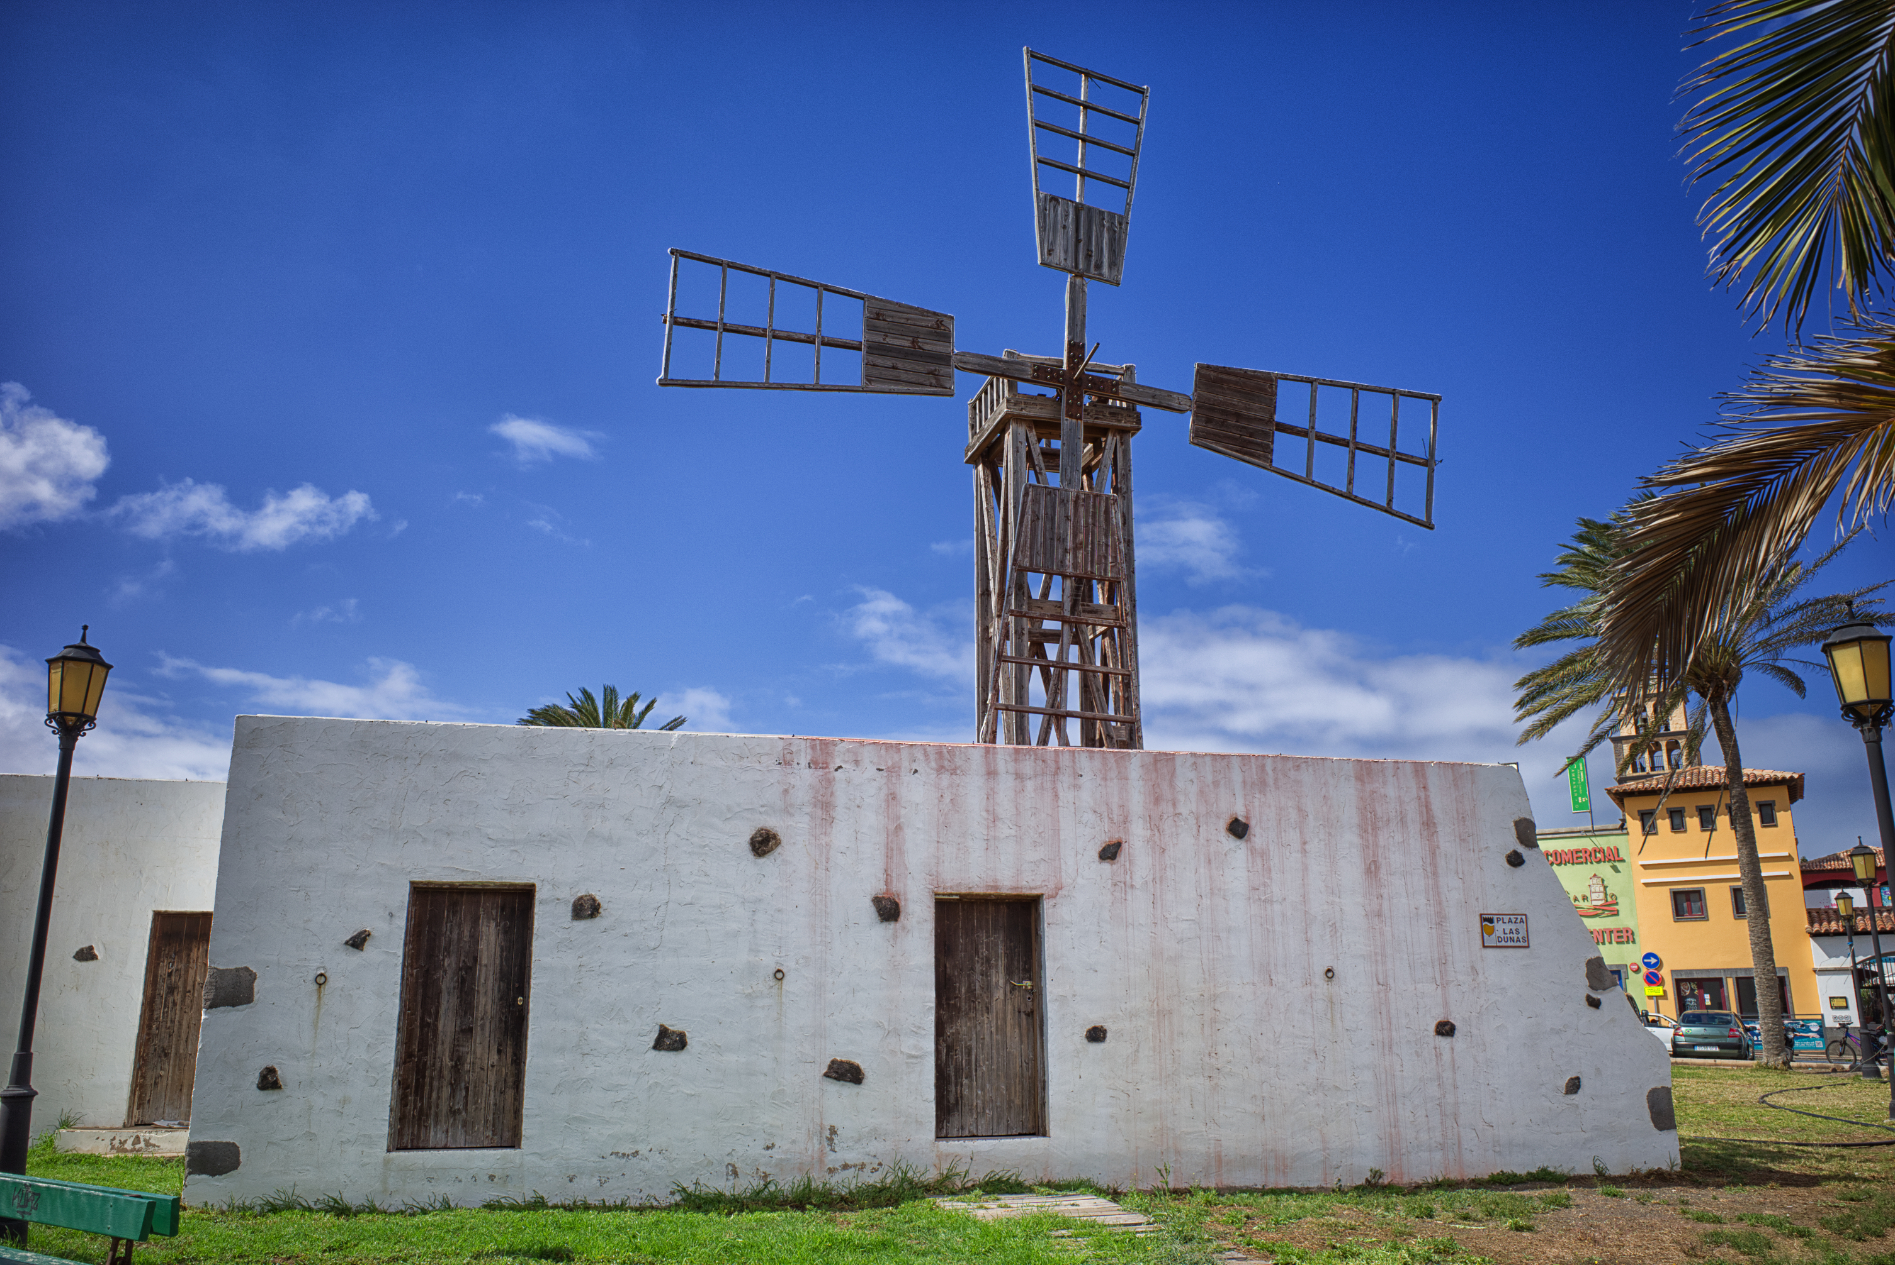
[
  {"x": 1582, "y": 856},
  {"x": 1614, "y": 935},
  {"x": 1577, "y": 784},
  {"x": 1503, "y": 931}
]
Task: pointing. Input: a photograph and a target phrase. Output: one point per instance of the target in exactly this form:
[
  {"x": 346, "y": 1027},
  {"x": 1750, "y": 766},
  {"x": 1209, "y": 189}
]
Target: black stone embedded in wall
[
  {"x": 1110, "y": 852},
  {"x": 229, "y": 986},
  {"x": 1658, "y": 1103},
  {"x": 846, "y": 1070},
  {"x": 1096, "y": 1033},
  {"x": 268, "y": 1079},
  {"x": 587, "y": 906},
  {"x": 887, "y": 908},
  {"x": 1599, "y": 976},
  {"x": 1572, "y": 1085},
  {"x": 1444, "y": 1028},
  {"x": 86, "y": 954},
  {"x": 1526, "y": 832},
  {"x": 1237, "y": 827},
  {"x": 359, "y": 939},
  {"x": 1515, "y": 859},
  {"x": 212, "y": 1159},
  {"x": 764, "y": 841},
  {"x": 1592, "y": 1001},
  {"x": 670, "y": 1039}
]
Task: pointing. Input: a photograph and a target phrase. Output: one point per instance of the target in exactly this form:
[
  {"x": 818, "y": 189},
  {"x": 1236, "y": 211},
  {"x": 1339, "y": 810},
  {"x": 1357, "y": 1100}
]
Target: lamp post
[
  {"x": 75, "y": 680},
  {"x": 1846, "y": 909},
  {"x": 1863, "y": 858},
  {"x": 1858, "y": 663}
]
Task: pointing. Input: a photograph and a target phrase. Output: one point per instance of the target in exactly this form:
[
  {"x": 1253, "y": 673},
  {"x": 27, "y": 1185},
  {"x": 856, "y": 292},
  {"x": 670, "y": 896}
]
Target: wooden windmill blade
[
  {"x": 1235, "y": 412},
  {"x": 1084, "y": 235},
  {"x": 903, "y": 349}
]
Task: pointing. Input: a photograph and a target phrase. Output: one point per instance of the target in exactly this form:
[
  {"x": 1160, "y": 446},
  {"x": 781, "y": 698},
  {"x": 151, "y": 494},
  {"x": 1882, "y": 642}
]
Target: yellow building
[{"x": 1690, "y": 897}]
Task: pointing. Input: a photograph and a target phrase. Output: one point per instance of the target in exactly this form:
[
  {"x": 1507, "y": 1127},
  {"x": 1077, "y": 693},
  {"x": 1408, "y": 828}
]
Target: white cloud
[
  {"x": 132, "y": 587},
  {"x": 133, "y": 737},
  {"x": 204, "y": 509},
  {"x": 342, "y": 612},
  {"x": 47, "y": 464},
  {"x": 898, "y": 634},
  {"x": 393, "y": 692},
  {"x": 1193, "y": 538},
  {"x": 1252, "y": 680},
  {"x": 704, "y": 710},
  {"x": 535, "y": 440},
  {"x": 952, "y": 548}
]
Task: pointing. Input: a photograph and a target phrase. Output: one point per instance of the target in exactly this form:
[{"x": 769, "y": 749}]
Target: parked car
[
  {"x": 1709, "y": 1034},
  {"x": 1805, "y": 1037},
  {"x": 1660, "y": 1026}
]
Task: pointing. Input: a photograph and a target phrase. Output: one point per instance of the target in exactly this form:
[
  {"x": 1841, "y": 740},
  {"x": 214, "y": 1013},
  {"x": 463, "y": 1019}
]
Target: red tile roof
[
  {"x": 1704, "y": 777},
  {"x": 1827, "y": 922},
  {"x": 1836, "y": 861}
]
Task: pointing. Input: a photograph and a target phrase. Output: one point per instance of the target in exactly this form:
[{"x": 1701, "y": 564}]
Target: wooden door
[
  {"x": 989, "y": 1067},
  {"x": 177, "y": 958},
  {"x": 460, "y": 1051}
]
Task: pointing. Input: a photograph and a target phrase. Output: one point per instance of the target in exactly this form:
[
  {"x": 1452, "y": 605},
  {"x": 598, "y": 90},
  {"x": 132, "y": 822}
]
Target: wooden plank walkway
[{"x": 1084, "y": 1207}]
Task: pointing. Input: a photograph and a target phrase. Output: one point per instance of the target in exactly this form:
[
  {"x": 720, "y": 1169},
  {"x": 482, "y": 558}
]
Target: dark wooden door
[
  {"x": 989, "y": 1067},
  {"x": 177, "y": 958},
  {"x": 460, "y": 1053}
]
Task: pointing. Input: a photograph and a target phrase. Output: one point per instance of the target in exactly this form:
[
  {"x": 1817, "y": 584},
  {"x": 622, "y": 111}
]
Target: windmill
[{"x": 1049, "y": 437}]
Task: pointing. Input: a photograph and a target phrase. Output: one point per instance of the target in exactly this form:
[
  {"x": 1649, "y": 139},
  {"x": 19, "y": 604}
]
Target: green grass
[{"x": 835, "y": 1227}]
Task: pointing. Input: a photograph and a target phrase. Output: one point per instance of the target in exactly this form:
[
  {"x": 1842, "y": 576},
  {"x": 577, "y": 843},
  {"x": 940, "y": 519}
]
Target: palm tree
[
  {"x": 1796, "y": 123},
  {"x": 587, "y": 712},
  {"x": 1755, "y": 636}
]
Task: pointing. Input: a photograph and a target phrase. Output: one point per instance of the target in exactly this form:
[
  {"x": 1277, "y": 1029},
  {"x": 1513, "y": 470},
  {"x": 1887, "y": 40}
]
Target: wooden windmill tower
[{"x": 1050, "y": 437}]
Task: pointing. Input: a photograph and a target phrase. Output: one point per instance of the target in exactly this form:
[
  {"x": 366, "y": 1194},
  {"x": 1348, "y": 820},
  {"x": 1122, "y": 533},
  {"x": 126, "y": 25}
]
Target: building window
[
  {"x": 1687, "y": 904},
  {"x": 1701, "y": 994},
  {"x": 1707, "y": 817},
  {"x": 1677, "y": 819},
  {"x": 1675, "y": 754},
  {"x": 1766, "y": 812},
  {"x": 1648, "y": 820},
  {"x": 1738, "y": 909}
]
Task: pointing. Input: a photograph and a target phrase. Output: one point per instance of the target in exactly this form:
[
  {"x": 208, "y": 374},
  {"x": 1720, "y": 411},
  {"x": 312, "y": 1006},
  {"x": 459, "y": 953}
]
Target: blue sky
[{"x": 335, "y": 330}]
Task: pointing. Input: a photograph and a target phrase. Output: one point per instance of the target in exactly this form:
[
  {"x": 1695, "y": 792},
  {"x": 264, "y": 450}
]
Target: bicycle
[{"x": 1847, "y": 1048}]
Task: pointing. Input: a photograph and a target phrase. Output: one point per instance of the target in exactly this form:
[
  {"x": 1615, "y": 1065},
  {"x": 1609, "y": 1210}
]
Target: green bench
[{"x": 124, "y": 1216}]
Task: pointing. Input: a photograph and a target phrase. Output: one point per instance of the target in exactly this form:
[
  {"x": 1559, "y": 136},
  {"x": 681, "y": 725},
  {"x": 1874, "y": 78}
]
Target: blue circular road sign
[{"x": 1652, "y": 961}]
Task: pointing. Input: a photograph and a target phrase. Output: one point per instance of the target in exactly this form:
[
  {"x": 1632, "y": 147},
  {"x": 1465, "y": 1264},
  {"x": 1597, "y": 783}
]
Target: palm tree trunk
[{"x": 1763, "y": 957}]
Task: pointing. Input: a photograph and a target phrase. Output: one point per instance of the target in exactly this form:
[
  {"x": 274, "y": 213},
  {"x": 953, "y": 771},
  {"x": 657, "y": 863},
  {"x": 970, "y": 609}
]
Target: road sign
[
  {"x": 1503, "y": 931},
  {"x": 1653, "y": 977},
  {"x": 1577, "y": 784},
  {"x": 1654, "y": 992},
  {"x": 1651, "y": 961}
]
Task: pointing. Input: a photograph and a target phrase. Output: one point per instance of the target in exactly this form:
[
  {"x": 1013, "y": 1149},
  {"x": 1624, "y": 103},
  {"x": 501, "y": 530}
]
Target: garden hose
[{"x": 1804, "y": 1089}]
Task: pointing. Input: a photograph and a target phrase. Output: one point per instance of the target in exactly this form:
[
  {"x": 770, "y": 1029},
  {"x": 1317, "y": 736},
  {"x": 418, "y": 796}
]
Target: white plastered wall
[
  {"x": 1231, "y": 1058},
  {"x": 129, "y": 847}
]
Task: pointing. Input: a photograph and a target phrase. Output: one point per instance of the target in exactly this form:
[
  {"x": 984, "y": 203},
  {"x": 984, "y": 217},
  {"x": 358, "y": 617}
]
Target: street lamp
[
  {"x": 75, "y": 680},
  {"x": 1862, "y": 858},
  {"x": 1858, "y": 663}
]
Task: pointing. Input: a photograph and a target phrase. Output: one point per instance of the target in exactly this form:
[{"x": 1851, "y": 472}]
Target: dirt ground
[{"x": 1741, "y": 1194}]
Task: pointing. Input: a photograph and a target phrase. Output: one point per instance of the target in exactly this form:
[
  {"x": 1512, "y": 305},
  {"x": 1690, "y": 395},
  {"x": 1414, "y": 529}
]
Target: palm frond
[
  {"x": 1795, "y": 125},
  {"x": 608, "y": 711},
  {"x": 1810, "y": 423}
]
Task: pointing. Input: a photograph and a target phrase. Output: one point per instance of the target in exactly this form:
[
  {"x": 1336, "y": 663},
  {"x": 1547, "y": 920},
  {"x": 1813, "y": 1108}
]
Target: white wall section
[
  {"x": 129, "y": 847},
  {"x": 1231, "y": 1058}
]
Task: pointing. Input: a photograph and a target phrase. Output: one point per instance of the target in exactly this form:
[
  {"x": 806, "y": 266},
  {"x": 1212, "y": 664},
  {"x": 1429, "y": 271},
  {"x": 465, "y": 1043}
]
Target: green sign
[{"x": 1576, "y": 782}]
